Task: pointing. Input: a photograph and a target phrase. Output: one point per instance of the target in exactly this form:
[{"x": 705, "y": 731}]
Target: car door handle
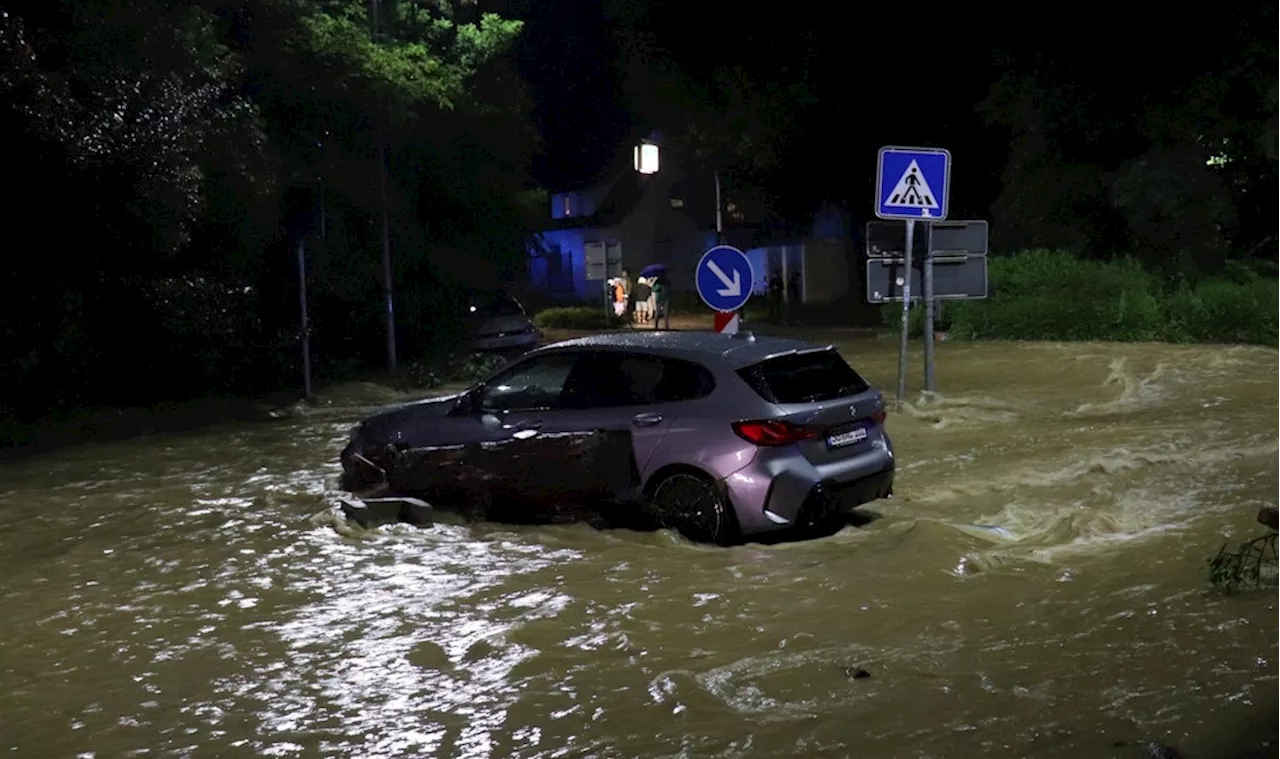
[{"x": 646, "y": 420}]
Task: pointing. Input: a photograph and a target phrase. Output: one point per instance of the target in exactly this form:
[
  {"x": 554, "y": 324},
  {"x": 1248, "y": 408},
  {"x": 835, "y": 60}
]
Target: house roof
[{"x": 621, "y": 196}]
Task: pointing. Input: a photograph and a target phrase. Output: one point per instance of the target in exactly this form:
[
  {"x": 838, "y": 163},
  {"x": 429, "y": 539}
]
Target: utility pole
[
  {"x": 387, "y": 291},
  {"x": 719, "y": 222}
]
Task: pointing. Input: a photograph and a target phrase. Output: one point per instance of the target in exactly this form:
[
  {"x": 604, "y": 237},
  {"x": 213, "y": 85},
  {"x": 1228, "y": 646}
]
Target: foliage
[
  {"x": 1052, "y": 295},
  {"x": 419, "y": 53},
  {"x": 739, "y": 115},
  {"x": 451, "y": 368},
  {"x": 577, "y": 317},
  {"x": 1178, "y": 169},
  {"x": 1222, "y": 310},
  {"x": 1252, "y": 565},
  {"x": 173, "y": 154}
]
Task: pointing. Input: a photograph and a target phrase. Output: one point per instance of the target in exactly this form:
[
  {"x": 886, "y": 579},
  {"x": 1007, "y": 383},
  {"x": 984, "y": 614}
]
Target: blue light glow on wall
[
  {"x": 759, "y": 258},
  {"x": 565, "y": 273},
  {"x": 831, "y": 221},
  {"x": 573, "y": 205}
]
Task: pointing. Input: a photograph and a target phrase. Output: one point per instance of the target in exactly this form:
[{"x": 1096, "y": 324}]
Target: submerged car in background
[
  {"x": 498, "y": 322},
  {"x": 726, "y": 436}
]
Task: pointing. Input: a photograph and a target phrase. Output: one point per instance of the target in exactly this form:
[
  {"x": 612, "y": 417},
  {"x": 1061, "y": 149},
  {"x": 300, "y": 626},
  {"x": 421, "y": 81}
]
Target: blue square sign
[{"x": 913, "y": 183}]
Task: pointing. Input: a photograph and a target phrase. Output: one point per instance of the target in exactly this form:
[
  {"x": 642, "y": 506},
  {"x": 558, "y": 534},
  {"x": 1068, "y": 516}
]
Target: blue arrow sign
[
  {"x": 913, "y": 183},
  {"x": 724, "y": 278}
]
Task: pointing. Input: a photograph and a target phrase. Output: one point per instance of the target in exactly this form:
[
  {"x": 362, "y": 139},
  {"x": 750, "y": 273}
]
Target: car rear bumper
[
  {"x": 781, "y": 489},
  {"x": 827, "y": 499}
]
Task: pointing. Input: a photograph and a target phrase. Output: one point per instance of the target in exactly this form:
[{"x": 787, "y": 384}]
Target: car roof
[{"x": 743, "y": 349}]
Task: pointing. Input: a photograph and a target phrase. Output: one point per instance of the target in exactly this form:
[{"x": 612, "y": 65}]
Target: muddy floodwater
[{"x": 1037, "y": 589}]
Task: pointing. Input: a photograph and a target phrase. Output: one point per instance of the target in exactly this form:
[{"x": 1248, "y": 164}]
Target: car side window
[
  {"x": 531, "y": 385},
  {"x": 615, "y": 378}
]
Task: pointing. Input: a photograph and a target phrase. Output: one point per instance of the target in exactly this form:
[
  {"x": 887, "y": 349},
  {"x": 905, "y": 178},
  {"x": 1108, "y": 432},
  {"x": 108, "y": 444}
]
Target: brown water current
[{"x": 1037, "y": 589}]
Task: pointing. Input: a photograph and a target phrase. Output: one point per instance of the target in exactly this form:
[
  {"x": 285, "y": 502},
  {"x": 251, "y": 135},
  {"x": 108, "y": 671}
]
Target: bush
[
  {"x": 891, "y": 316},
  {"x": 577, "y": 317},
  {"x": 1237, "y": 310},
  {"x": 1051, "y": 295},
  {"x": 451, "y": 368}
]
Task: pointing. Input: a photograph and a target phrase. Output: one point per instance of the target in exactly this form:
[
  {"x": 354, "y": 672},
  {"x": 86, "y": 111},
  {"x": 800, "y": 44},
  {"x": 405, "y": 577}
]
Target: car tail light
[
  {"x": 774, "y": 432},
  {"x": 879, "y": 416}
]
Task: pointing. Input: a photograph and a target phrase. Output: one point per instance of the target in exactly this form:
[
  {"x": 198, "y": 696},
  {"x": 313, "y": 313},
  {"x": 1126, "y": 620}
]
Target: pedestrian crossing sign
[{"x": 913, "y": 183}]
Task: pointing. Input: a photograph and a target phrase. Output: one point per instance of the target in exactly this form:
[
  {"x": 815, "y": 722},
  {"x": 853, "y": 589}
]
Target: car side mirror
[{"x": 469, "y": 402}]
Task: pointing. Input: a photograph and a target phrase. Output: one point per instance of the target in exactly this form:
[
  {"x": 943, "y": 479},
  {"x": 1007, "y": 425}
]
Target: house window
[
  {"x": 677, "y": 202},
  {"x": 566, "y": 204}
]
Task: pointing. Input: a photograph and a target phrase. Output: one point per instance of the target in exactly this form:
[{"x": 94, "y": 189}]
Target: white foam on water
[
  {"x": 1097, "y": 464},
  {"x": 1137, "y": 392},
  {"x": 942, "y": 411},
  {"x": 1043, "y": 532}
]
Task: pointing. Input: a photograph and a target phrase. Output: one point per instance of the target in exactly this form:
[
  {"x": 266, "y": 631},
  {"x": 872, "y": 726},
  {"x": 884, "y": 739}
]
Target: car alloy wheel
[{"x": 694, "y": 507}]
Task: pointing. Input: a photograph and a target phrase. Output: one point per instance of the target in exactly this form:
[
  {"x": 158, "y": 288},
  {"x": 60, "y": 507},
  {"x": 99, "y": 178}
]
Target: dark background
[{"x": 151, "y": 256}]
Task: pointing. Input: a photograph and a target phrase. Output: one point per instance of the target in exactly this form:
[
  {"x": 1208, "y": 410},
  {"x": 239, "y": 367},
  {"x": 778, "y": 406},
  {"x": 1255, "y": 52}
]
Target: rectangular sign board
[
  {"x": 602, "y": 271},
  {"x": 957, "y": 237},
  {"x": 958, "y": 277},
  {"x": 888, "y": 239},
  {"x": 603, "y": 261}
]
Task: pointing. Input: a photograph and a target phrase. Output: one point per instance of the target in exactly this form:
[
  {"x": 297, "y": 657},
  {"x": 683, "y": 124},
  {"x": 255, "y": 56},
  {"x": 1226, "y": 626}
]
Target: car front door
[
  {"x": 641, "y": 393},
  {"x": 475, "y": 446}
]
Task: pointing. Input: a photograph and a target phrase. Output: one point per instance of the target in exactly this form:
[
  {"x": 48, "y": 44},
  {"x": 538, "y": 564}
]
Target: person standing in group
[
  {"x": 641, "y": 295},
  {"x": 661, "y": 301},
  {"x": 624, "y": 281},
  {"x": 619, "y": 299}
]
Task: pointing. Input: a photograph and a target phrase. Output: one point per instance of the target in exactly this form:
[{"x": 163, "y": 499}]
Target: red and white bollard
[{"x": 726, "y": 322}]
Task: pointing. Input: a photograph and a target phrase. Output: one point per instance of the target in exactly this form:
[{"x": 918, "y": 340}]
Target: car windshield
[
  {"x": 493, "y": 304},
  {"x": 804, "y": 377}
]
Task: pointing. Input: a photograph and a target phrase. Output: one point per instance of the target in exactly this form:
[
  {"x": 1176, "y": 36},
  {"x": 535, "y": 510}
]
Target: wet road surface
[{"x": 1037, "y": 589}]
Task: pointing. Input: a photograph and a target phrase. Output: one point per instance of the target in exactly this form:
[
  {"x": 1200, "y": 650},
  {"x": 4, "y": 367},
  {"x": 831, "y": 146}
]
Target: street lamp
[{"x": 645, "y": 158}]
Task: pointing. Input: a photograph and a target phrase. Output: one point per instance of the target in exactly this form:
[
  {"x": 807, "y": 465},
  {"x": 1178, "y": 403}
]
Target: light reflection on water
[{"x": 1035, "y": 590}]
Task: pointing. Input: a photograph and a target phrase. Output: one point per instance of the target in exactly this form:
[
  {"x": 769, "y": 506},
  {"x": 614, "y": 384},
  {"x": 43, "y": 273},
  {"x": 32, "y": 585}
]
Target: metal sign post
[
  {"x": 928, "y": 322},
  {"x": 306, "y": 325},
  {"x": 912, "y": 184},
  {"x": 906, "y": 315},
  {"x": 953, "y": 266}
]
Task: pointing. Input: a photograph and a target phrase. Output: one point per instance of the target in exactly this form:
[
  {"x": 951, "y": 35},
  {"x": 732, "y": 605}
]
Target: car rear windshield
[{"x": 804, "y": 378}]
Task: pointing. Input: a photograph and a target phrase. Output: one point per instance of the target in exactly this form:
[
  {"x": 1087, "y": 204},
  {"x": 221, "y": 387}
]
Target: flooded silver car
[{"x": 729, "y": 436}]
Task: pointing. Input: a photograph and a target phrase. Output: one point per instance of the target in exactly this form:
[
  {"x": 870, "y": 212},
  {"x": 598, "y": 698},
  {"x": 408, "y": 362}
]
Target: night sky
[{"x": 568, "y": 59}]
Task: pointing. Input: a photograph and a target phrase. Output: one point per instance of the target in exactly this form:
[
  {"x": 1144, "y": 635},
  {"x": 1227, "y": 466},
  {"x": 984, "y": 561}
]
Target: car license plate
[{"x": 847, "y": 437}]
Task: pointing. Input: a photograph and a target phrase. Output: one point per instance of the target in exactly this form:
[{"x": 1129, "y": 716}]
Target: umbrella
[{"x": 653, "y": 270}]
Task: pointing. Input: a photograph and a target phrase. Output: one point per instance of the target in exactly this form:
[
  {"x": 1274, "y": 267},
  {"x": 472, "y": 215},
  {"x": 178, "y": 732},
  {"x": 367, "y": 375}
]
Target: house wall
[
  {"x": 563, "y": 270},
  {"x": 823, "y": 265},
  {"x": 654, "y": 232},
  {"x": 826, "y": 270}
]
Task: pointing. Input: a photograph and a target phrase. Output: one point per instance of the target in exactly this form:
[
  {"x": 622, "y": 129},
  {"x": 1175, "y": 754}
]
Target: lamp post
[
  {"x": 645, "y": 160},
  {"x": 387, "y": 293},
  {"x": 719, "y": 224}
]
